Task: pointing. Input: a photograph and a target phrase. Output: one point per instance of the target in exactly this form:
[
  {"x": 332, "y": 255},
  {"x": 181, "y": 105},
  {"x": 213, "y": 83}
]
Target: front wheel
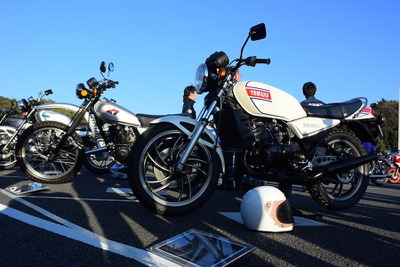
[
  {"x": 156, "y": 182},
  {"x": 36, "y": 145},
  {"x": 341, "y": 190},
  {"x": 7, "y": 156}
]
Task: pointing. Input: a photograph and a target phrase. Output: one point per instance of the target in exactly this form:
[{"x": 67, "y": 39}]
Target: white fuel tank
[
  {"x": 264, "y": 100},
  {"x": 50, "y": 115},
  {"x": 111, "y": 112}
]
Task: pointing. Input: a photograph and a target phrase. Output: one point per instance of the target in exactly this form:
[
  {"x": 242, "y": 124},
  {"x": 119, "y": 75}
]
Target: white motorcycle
[
  {"x": 33, "y": 110},
  {"x": 174, "y": 166},
  {"x": 53, "y": 152}
]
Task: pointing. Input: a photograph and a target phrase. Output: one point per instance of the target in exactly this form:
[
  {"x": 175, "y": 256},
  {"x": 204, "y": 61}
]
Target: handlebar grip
[{"x": 263, "y": 61}]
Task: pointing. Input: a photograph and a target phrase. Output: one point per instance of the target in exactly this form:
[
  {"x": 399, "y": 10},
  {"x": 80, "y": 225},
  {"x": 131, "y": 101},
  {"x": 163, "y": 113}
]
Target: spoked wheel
[
  {"x": 7, "y": 157},
  {"x": 99, "y": 162},
  {"x": 34, "y": 148},
  {"x": 380, "y": 167},
  {"x": 153, "y": 176},
  {"x": 394, "y": 175},
  {"x": 342, "y": 190}
]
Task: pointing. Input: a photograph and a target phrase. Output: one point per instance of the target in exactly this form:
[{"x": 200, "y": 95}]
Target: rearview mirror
[
  {"x": 258, "y": 32},
  {"x": 48, "y": 92},
  {"x": 111, "y": 67},
  {"x": 103, "y": 67}
]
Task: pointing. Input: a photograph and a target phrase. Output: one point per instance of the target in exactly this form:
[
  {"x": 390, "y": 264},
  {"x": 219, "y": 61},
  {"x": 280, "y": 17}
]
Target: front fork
[
  {"x": 18, "y": 130},
  {"x": 70, "y": 130},
  {"x": 202, "y": 122}
]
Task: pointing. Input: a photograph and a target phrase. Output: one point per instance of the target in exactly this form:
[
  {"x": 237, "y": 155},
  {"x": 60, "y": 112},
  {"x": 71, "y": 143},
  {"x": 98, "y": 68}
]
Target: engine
[
  {"x": 123, "y": 137},
  {"x": 273, "y": 147},
  {"x": 267, "y": 145}
]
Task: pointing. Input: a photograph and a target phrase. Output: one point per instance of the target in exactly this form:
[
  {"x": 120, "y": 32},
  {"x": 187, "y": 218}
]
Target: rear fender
[{"x": 365, "y": 130}]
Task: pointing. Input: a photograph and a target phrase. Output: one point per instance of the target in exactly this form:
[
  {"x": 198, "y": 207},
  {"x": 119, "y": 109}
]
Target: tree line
[{"x": 10, "y": 103}]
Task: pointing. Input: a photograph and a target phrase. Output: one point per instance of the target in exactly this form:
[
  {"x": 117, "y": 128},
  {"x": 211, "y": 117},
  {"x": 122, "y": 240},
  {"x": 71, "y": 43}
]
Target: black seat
[{"x": 334, "y": 110}]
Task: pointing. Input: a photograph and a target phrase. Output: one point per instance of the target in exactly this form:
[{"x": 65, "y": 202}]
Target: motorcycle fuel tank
[
  {"x": 264, "y": 100},
  {"x": 112, "y": 113},
  {"x": 14, "y": 121},
  {"x": 50, "y": 115}
]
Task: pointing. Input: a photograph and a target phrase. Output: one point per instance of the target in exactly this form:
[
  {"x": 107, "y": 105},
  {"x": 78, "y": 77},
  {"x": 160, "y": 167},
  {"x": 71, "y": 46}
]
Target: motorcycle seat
[
  {"x": 145, "y": 119},
  {"x": 334, "y": 110}
]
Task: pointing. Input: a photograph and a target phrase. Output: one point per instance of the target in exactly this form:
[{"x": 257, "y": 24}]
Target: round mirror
[
  {"x": 111, "y": 67},
  {"x": 103, "y": 67}
]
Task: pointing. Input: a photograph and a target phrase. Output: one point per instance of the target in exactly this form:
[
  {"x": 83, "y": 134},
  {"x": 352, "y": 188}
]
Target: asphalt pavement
[{"x": 94, "y": 220}]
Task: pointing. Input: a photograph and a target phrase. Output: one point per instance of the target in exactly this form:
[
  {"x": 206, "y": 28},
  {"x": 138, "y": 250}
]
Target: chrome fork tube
[
  {"x": 18, "y": 129},
  {"x": 202, "y": 123}
]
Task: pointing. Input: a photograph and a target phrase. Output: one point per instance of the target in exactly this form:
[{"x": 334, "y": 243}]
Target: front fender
[
  {"x": 6, "y": 128},
  {"x": 187, "y": 125}
]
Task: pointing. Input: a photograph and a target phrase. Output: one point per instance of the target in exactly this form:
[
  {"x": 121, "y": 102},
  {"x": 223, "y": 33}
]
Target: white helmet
[{"x": 265, "y": 208}]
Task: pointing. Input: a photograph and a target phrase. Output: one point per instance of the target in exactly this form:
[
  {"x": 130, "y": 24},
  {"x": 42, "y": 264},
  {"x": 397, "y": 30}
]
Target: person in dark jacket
[
  {"x": 189, "y": 96},
  {"x": 309, "y": 90}
]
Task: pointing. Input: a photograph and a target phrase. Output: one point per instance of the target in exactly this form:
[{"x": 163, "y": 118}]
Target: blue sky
[{"x": 348, "y": 48}]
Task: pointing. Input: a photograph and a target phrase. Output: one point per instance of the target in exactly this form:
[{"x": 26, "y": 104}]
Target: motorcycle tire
[
  {"x": 342, "y": 190},
  {"x": 7, "y": 158},
  {"x": 99, "y": 163},
  {"x": 394, "y": 176},
  {"x": 379, "y": 181},
  {"x": 384, "y": 167},
  {"x": 154, "y": 179},
  {"x": 34, "y": 147}
]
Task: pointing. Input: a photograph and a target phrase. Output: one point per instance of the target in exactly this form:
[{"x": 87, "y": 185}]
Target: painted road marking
[
  {"x": 119, "y": 190},
  {"x": 299, "y": 221},
  {"x": 82, "y": 198},
  {"x": 78, "y": 233}
]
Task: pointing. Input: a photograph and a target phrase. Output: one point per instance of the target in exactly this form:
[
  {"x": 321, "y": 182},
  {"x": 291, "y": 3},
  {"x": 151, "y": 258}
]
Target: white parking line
[
  {"x": 78, "y": 233},
  {"x": 298, "y": 221},
  {"x": 119, "y": 190}
]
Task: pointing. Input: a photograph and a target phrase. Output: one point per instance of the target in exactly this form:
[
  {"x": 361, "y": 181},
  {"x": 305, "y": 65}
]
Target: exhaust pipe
[
  {"x": 100, "y": 149},
  {"x": 343, "y": 166}
]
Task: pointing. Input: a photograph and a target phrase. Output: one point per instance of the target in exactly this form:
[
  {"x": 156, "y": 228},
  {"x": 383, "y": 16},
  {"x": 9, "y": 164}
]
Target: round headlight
[
  {"x": 200, "y": 81},
  {"x": 23, "y": 105}
]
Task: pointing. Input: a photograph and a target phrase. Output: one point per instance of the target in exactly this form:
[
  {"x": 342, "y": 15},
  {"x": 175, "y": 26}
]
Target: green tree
[{"x": 390, "y": 110}]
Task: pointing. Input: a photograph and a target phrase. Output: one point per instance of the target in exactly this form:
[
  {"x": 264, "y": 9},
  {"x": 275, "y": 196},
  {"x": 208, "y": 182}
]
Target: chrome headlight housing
[
  {"x": 200, "y": 81},
  {"x": 23, "y": 105}
]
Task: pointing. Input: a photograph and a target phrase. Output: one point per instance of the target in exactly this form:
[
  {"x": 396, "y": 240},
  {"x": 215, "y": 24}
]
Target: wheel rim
[
  {"x": 34, "y": 154},
  {"x": 7, "y": 158},
  {"x": 159, "y": 178},
  {"x": 394, "y": 176},
  {"x": 100, "y": 160},
  {"x": 343, "y": 186}
]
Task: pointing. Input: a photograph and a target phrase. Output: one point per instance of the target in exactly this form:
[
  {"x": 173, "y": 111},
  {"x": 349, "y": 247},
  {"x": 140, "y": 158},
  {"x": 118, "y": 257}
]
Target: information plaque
[{"x": 197, "y": 248}]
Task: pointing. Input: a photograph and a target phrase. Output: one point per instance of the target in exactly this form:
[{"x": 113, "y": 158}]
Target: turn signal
[
  {"x": 381, "y": 120},
  {"x": 221, "y": 74},
  {"x": 84, "y": 93}
]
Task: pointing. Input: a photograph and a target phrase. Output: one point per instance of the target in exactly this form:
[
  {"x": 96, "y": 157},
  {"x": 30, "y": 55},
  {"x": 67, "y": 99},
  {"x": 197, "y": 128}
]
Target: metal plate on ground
[
  {"x": 27, "y": 188},
  {"x": 197, "y": 248}
]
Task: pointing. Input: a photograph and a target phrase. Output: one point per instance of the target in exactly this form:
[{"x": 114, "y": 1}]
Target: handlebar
[
  {"x": 252, "y": 61},
  {"x": 108, "y": 84}
]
